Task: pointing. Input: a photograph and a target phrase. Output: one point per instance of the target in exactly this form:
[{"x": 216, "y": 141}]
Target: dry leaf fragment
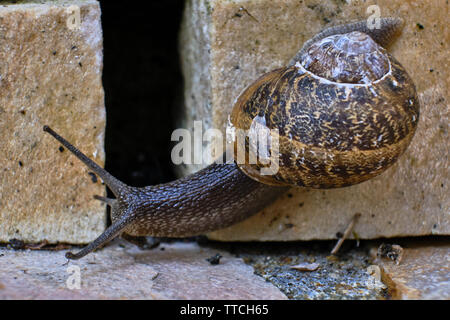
[{"x": 306, "y": 267}]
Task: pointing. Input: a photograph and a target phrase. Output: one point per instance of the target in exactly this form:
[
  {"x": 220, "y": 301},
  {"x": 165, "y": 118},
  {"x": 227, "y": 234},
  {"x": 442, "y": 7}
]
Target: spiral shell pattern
[{"x": 333, "y": 132}]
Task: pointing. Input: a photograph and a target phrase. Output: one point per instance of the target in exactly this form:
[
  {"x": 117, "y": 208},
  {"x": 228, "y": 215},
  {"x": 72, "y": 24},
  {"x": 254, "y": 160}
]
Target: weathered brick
[
  {"x": 225, "y": 45},
  {"x": 50, "y": 74}
]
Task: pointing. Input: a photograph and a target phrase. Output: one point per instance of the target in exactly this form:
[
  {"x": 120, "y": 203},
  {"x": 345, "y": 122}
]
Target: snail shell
[{"x": 344, "y": 112}]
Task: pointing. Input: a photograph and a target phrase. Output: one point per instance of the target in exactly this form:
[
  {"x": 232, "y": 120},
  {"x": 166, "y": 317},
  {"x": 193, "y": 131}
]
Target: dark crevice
[{"x": 143, "y": 83}]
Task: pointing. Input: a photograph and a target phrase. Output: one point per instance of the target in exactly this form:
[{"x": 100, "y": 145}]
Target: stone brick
[
  {"x": 225, "y": 45},
  {"x": 50, "y": 74},
  {"x": 422, "y": 273},
  {"x": 122, "y": 271}
]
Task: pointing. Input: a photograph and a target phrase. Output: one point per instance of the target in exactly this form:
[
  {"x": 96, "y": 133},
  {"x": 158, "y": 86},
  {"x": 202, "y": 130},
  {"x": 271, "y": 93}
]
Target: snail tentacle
[
  {"x": 116, "y": 186},
  {"x": 108, "y": 201},
  {"x": 110, "y": 233}
]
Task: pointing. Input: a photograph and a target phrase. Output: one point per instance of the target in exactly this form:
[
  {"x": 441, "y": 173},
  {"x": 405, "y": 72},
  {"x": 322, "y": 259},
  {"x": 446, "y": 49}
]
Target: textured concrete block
[
  {"x": 225, "y": 45},
  {"x": 50, "y": 74},
  {"x": 179, "y": 271}
]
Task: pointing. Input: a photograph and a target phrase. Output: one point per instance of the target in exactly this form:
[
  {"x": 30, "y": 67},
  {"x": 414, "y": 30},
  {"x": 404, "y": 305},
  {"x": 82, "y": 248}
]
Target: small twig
[
  {"x": 346, "y": 233},
  {"x": 36, "y": 246}
]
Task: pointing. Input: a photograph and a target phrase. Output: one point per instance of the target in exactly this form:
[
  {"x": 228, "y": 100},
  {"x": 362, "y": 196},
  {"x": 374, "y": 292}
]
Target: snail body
[{"x": 344, "y": 110}]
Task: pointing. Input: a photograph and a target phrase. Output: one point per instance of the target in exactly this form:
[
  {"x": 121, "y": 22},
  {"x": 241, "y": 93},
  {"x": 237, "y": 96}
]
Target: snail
[{"x": 344, "y": 110}]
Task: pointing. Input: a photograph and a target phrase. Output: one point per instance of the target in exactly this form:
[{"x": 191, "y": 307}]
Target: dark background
[{"x": 143, "y": 86}]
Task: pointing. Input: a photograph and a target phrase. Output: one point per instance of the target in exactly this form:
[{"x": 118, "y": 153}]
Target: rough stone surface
[
  {"x": 226, "y": 45},
  {"x": 423, "y": 272},
  {"x": 341, "y": 277},
  {"x": 121, "y": 271},
  {"x": 50, "y": 75}
]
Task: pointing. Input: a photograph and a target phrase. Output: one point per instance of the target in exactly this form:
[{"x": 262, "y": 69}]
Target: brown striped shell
[{"x": 344, "y": 113}]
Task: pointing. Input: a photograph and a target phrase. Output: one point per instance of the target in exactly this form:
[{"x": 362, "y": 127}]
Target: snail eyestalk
[{"x": 114, "y": 184}]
